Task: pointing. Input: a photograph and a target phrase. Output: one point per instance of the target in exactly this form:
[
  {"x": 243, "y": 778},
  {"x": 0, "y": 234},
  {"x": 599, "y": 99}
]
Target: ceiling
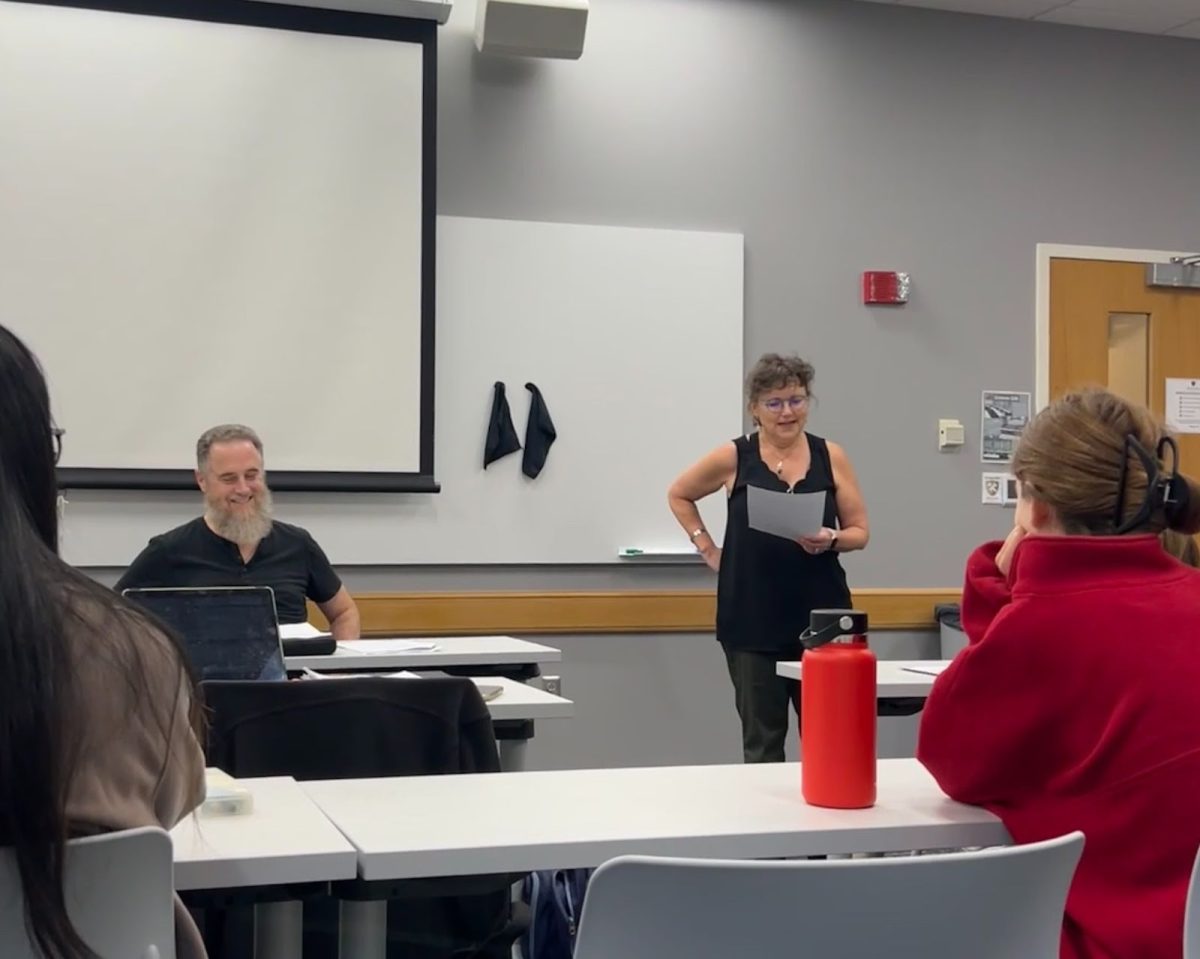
[{"x": 1175, "y": 18}]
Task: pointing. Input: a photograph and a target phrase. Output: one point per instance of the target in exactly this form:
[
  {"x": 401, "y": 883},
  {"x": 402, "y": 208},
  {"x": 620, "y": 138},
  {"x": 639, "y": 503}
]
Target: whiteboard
[
  {"x": 634, "y": 337},
  {"x": 211, "y": 222}
]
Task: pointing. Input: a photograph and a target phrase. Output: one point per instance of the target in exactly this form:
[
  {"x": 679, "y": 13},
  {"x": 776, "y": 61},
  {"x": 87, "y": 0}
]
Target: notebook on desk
[{"x": 228, "y": 632}]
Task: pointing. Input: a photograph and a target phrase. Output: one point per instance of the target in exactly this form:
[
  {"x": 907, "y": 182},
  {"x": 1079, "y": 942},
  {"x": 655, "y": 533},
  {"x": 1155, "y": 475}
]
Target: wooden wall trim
[{"x": 626, "y": 611}]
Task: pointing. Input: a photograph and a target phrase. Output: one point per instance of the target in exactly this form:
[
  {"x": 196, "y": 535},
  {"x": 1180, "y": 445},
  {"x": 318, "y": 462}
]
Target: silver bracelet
[{"x": 697, "y": 533}]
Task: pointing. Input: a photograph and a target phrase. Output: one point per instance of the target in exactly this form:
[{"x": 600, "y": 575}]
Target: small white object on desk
[
  {"x": 224, "y": 795},
  {"x": 384, "y": 647},
  {"x": 300, "y": 631},
  {"x": 402, "y": 674}
]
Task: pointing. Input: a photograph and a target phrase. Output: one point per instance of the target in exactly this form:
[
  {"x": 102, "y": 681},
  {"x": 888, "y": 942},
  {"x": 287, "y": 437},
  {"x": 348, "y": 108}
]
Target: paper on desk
[
  {"x": 403, "y": 674},
  {"x": 933, "y": 669},
  {"x": 383, "y": 647},
  {"x": 300, "y": 631},
  {"x": 790, "y": 515}
]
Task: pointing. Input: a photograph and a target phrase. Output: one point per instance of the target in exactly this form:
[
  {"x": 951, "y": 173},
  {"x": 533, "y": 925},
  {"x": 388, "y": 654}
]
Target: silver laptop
[{"x": 228, "y": 632}]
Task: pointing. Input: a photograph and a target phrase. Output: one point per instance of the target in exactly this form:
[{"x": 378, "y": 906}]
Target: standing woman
[
  {"x": 99, "y": 718},
  {"x": 767, "y": 585}
]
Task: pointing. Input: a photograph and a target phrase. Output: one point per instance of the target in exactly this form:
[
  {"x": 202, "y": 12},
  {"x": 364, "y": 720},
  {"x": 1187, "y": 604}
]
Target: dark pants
[{"x": 762, "y": 703}]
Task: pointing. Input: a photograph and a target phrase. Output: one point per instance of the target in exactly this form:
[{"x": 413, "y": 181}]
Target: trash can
[{"x": 949, "y": 618}]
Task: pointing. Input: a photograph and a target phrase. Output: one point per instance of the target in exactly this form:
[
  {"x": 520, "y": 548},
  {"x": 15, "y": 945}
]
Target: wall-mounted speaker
[{"x": 531, "y": 28}]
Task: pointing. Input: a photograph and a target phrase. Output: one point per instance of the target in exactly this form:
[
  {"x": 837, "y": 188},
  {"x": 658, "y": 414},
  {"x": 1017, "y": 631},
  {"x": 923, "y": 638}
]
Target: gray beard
[{"x": 243, "y": 530}]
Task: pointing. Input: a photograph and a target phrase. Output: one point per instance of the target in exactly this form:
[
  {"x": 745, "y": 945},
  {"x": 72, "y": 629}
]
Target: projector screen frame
[{"x": 254, "y": 13}]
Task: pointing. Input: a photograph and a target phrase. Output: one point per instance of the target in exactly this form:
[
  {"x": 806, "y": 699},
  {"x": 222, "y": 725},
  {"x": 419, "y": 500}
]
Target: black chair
[{"x": 361, "y": 727}]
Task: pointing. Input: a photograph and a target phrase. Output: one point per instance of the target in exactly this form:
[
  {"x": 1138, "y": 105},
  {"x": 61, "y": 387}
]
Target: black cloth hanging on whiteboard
[
  {"x": 539, "y": 434},
  {"x": 501, "y": 435}
]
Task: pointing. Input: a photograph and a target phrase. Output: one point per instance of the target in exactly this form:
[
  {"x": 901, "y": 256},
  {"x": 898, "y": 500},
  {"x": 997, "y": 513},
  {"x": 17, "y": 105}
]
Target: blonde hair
[
  {"x": 1073, "y": 454},
  {"x": 1182, "y": 547}
]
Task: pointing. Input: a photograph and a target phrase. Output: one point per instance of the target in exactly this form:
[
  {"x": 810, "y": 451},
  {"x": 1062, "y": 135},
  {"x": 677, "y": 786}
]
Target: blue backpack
[{"x": 555, "y": 898}]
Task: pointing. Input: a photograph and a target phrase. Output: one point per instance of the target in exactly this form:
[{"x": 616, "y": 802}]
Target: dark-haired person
[
  {"x": 237, "y": 542},
  {"x": 767, "y": 585},
  {"x": 99, "y": 720},
  {"x": 1074, "y": 706}
]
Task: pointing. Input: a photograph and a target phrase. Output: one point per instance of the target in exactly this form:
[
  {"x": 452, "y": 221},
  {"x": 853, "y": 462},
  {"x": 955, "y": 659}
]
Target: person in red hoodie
[{"x": 1076, "y": 704}]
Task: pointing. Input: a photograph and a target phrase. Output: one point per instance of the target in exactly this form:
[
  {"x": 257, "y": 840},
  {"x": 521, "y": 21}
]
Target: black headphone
[{"x": 1166, "y": 491}]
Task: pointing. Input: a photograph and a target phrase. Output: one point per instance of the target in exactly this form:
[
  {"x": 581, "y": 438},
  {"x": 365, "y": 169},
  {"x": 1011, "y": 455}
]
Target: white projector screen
[{"x": 216, "y": 211}]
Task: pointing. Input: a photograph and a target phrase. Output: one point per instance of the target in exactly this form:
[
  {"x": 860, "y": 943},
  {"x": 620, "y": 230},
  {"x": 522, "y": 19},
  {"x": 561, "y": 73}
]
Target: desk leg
[
  {"x": 363, "y": 930},
  {"x": 512, "y": 755},
  {"x": 278, "y": 929}
]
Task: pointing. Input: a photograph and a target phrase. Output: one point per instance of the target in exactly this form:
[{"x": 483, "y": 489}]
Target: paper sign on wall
[
  {"x": 1004, "y": 416},
  {"x": 1183, "y": 405}
]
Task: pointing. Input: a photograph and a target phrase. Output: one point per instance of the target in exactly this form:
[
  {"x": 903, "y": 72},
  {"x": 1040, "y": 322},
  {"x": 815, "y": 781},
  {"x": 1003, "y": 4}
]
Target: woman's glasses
[{"x": 794, "y": 403}]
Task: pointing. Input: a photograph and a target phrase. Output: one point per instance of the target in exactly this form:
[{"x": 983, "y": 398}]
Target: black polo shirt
[{"x": 288, "y": 560}]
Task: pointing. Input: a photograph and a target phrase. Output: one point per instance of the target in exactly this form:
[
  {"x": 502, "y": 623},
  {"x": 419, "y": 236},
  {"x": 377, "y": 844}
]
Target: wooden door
[{"x": 1108, "y": 328}]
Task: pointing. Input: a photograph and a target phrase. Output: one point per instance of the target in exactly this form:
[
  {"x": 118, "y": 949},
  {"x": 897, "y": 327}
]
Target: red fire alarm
[{"x": 884, "y": 287}]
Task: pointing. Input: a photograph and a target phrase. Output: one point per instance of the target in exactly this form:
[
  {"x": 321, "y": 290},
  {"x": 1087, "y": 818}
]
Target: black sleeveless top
[{"x": 768, "y": 585}]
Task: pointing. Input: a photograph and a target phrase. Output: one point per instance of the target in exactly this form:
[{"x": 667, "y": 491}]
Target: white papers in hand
[
  {"x": 299, "y": 631},
  {"x": 386, "y": 647},
  {"x": 790, "y": 515}
]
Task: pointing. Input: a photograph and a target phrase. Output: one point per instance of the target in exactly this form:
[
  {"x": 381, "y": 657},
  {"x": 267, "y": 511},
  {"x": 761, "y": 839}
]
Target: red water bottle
[{"x": 837, "y": 711}]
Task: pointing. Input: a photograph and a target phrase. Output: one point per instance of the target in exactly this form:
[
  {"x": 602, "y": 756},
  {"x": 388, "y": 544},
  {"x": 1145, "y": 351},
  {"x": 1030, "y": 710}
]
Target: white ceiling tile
[
  {"x": 1187, "y": 30},
  {"x": 1180, "y": 18},
  {"x": 1142, "y": 21},
  {"x": 1186, "y": 8},
  {"x": 1021, "y": 9}
]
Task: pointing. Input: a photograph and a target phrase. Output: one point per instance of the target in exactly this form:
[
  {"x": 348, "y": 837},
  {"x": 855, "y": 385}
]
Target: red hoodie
[{"x": 1076, "y": 705}]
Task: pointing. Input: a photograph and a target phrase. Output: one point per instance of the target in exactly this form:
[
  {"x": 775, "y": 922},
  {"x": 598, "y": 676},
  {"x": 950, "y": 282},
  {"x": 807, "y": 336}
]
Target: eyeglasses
[
  {"x": 56, "y": 435},
  {"x": 794, "y": 403}
]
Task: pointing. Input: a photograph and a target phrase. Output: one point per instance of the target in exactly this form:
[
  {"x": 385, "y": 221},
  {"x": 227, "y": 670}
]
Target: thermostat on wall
[{"x": 950, "y": 434}]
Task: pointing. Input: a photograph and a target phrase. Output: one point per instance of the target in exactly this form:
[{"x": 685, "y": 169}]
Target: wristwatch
[{"x": 833, "y": 538}]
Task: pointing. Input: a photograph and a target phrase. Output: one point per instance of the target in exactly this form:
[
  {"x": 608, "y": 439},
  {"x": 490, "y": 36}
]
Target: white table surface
[
  {"x": 450, "y": 651},
  {"x": 893, "y": 676},
  {"x": 513, "y": 822},
  {"x": 522, "y": 701},
  {"x": 285, "y": 839}
]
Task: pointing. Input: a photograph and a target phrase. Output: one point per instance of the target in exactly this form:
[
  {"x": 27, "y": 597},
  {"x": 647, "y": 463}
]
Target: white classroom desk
[
  {"x": 504, "y": 822},
  {"x": 449, "y": 651},
  {"x": 894, "y": 677},
  {"x": 499, "y": 823},
  {"x": 522, "y": 701},
  {"x": 285, "y": 839}
]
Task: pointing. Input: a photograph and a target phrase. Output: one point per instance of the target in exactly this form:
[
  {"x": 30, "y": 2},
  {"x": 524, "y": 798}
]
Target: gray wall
[{"x": 839, "y": 137}]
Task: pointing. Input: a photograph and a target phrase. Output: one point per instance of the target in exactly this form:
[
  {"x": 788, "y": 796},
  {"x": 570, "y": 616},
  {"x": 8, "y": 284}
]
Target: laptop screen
[{"x": 228, "y": 633}]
